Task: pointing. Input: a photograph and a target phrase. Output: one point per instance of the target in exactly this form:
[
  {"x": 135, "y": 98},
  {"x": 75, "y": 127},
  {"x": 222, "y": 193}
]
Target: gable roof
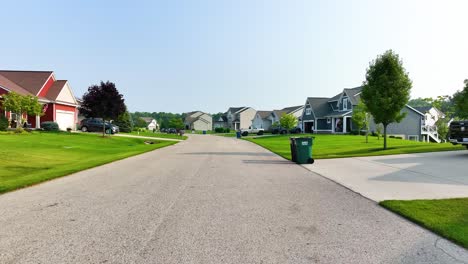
[
  {"x": 292, "y": 108},
  {"x": 422, "y": 109},
  {"x": 55, "y": 89},
  {"x": 320, "y": 106},
  {"x": 11, "y": 86},
  {"x": 32, "y": 81},
  {"x": 148, "y": 119},
  {"x": 353, "y": 94},
  {"x": 263, "y": 114}
]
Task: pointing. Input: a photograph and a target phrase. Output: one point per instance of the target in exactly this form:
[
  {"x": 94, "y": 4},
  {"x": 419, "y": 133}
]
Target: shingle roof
[
  {"x": 4, "y": 82},
  {"x": 263, "y": 114},
  {"x": 55, "y": 89},
  {"x": 292, "y": 108},
  {"x": 32, "y": 81},
  {"x": 352, "y": 94},
  {"x": 320, "y": 106},
  {"x": 423, "y": 109},
  {"x": 147, "y": 119},
  {"x": 235, "y": 109}
]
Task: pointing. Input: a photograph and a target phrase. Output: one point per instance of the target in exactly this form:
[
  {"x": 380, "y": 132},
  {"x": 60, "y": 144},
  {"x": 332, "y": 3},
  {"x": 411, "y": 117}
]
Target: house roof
[
  {"x": 263, "y": 114},
  {"x": 353, "y": 94},
  {"x": 292, "y": 108},
  {"x": 148, "y": 119},
  {"x": 422, "y": 109},
  {"x": 7, "y": 84},
  {"x": 280, "y": 113},
  {"x": 320, "y": 106},
  {"x": 32, "y": 81},
  {"x": 55, "y": 89}
]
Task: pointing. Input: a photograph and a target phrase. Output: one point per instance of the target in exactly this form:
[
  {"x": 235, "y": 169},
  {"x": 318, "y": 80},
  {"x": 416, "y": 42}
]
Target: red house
[{"x": 60, "y": 105}]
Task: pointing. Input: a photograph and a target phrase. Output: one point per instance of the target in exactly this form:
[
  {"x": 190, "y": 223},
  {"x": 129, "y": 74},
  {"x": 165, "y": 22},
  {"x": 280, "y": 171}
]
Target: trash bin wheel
[
  {"x": 311, "y": 161},
  {"x": 245, "y": 133}
]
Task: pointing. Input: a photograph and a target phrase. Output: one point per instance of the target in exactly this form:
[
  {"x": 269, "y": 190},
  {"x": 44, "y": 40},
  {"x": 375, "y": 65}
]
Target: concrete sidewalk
[
  {"x": 434, "y": 175},
  {"x": 154, "y": 138}
]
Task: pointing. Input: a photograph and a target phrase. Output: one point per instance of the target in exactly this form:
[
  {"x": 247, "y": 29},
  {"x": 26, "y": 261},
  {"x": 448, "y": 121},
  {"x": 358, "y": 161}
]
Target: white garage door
[{"x": 65, "y": 119}]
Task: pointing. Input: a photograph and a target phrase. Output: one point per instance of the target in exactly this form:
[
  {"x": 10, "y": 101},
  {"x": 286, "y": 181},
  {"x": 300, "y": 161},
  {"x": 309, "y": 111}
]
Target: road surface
[{"x": 207, "y": 200}]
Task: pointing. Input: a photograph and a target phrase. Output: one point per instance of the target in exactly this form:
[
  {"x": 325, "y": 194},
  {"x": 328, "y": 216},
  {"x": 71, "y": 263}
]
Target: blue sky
[{"x": 179, "y": 56}]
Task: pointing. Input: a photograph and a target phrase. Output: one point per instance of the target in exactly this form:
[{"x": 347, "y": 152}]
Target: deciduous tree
[
  {"x": 288, "y": 121},
  {"x": 361, "y": 118},
  {"x": 103, "y": 101},
  {"x": 460, "y": 99},
  {"x": 386, "y": 90}
]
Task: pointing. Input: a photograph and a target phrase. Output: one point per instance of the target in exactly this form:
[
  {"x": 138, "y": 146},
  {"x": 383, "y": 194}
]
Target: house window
[
  {"x": 308, "y": 111},
  {"x": 328, "y": 120},
  {"x": 345, "y": 104}
]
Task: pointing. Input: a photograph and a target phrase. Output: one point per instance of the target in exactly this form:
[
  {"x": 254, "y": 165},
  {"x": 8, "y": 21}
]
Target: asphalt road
[{"x": 207, "y": 200}]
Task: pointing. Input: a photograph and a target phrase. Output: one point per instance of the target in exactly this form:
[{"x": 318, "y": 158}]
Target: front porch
[{"x": 331, "y": 125}]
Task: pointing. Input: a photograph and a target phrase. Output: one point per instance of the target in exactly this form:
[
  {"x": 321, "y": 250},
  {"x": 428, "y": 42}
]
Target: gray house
[{"x": 334, "y": 116}]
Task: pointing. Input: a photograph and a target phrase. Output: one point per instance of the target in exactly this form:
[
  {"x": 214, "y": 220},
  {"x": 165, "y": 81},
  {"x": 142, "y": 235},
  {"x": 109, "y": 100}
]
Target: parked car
[
  {"x": 171, "y": 131},
  {"x": 282, "y": 130},
  {"x": 96, "y": 125},
  {"x": 163, "y": 130},
  {"x": 458, "y": 133},
  {"x": 251, "y": 130}
]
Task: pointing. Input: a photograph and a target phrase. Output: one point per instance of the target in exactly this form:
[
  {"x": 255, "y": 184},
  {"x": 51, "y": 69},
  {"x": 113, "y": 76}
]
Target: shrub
[
  {"x": 3, "y": 123},
  {"x": 219, "y": 130},
  {"x": 227, "y": 130},
  {"x": 19, "y": 130},
  {"x": 354, "y": 132},
  {"x": 50, "y": 126},
  {"x": 391, "y": 136},
  {"x": 399, "y": 137}
]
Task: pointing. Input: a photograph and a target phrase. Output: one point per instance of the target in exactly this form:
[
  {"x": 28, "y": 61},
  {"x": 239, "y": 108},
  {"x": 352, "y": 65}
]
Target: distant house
[
  {"x": 262, "y": 119},
  {"x": 238, "y": 118},
  {"x": 198, "y": 120},
  {"x": 265, "y": 119},
  {"x": 220, "y": 122},
  {"x": 151, "y": 123},
  {"x": 334, "y": 115},
  {"x": 431, "y": 116},
  {"x": 56, "y": 96}
]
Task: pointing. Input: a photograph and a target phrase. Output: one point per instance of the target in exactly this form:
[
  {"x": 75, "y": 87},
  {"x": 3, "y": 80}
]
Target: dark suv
[
  {"x": 458, "y": 133},
  {"x": 281, "y": 130},
  {"x": 96, "y": 125}
]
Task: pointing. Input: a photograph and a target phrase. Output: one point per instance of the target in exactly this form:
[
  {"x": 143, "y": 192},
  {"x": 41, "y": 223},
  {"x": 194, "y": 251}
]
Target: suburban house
[
  {"x": 56, "y": 96},
  {"x": 198, "y": 120},
  {"x": 431, "y": 116},
  {"x": 264, "y": 119},
  {"x": 220, "y": 122},
  {"x": 239, "y": 117},
  {"x": 334, "y": 115},
  {"x": 151, "y": 123}
]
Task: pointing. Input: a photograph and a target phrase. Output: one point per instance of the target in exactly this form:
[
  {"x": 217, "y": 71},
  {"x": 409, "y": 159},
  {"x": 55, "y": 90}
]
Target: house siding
[
  {"x": 246, "y": 118},
  {"x": 409, "y": 126},
  {"x": 323, "y": 125},
  {"x": 308, "y": 117}
]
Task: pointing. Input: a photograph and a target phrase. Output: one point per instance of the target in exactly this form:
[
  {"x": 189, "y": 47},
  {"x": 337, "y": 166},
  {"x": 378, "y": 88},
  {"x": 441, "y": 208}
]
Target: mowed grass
[
  {"x": 157, "y": 135},
  {"x": 27, "y": 159},
  {"x": 447, "y": 217},
  {"x": 340, "y": 146}
]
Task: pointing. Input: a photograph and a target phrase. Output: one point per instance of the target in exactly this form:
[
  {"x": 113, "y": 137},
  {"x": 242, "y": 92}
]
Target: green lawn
[
  {"x": 27, "y": 159},
  {"x": 448, "y": 217},
  {"x": 340, "y": 146},
  {"x": 157, "y": 134}
]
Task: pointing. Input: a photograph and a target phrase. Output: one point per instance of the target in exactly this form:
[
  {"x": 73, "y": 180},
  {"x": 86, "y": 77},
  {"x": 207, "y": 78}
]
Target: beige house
[
  {"x": 198, "y": 120},
  {"x": 239, "y": 117}
]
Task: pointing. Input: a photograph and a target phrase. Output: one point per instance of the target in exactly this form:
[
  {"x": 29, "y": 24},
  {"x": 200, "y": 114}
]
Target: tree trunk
[{"x": 385, "y": 136}]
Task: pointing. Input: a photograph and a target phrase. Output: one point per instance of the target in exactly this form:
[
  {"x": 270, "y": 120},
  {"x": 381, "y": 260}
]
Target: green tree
[
  {"x": 442, "y": 127},
  {"x": 361, "y": 118},
  {"x": 288, "y": 121},
  {"x": 140, "y": 122},
  {"x": 420, "y": 102},
  {"x": 386, "y": 90},
  {"x": 460, "y": 99},
  {"x": 21, "y": 104},
  {"x": 176, "y": 123},
  {"x": 103, "y": 101},
  {"x": 124, "y": 122}
]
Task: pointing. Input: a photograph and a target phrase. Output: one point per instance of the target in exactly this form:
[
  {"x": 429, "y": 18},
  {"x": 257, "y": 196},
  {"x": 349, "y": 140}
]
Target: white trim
[
  {"x": 416, "y": 136},
  {"x": 53, "y": 78},
  {"x": 345, "y": 106}
]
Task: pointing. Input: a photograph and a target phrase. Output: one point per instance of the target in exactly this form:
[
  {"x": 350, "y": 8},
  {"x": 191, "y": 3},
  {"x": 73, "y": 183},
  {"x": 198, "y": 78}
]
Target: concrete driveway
[
  {"x": 434, "y": 175},
  {"x": 207, "y": 200}
]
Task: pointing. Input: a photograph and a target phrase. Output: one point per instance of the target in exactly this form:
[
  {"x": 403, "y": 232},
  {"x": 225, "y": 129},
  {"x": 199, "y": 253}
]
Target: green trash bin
[{"x": 304, "y": 150}]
